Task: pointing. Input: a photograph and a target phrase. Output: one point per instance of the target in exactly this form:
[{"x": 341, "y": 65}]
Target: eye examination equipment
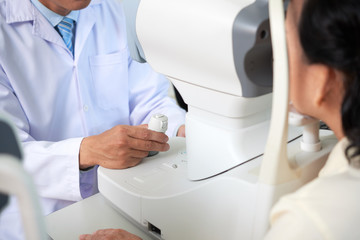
[
  {"x": 239, "y": 155},
  {"x": 229, "y": 63},
  {"x": 15, "y": 181}
]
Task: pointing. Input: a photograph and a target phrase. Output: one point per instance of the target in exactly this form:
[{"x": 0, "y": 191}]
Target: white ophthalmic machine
[{"x": 229, "y": 62}]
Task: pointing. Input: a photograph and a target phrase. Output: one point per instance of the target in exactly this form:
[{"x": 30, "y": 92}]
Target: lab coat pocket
[{"x": 110, "y": 78}]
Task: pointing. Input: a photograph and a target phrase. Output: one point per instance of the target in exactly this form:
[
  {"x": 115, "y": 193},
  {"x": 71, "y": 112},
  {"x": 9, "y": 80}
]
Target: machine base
[{"x": 159, "y": 197}]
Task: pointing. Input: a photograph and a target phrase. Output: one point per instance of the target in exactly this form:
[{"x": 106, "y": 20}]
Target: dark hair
[{"x": 330, "y": 34}]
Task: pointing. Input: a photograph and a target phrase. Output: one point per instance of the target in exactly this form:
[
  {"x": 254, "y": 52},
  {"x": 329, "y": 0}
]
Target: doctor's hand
[
  {"x": 109, "y": 234},
  {"x": 121, "y": 147}
]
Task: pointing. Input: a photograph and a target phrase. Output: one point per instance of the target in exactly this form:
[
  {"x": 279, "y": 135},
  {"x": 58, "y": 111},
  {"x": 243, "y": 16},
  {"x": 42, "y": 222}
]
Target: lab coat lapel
[
  {"x": 42, "y": 28},
  {"x": 24, "y": 11},
  {"x": 18, "y": 11},
  {"x": 85, "y": 23}
]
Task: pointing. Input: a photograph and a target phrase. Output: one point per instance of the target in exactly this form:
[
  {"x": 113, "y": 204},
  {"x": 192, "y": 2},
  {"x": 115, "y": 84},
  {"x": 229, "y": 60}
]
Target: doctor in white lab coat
[{"x": 75, "y": 111}]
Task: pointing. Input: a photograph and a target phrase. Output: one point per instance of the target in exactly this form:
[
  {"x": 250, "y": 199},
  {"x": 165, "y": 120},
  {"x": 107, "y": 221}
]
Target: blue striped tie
[{"x": 65, "y": 28}]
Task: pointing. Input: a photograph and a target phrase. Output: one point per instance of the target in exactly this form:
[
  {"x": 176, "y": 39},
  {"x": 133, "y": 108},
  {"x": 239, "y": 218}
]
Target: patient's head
[{"x": 324, "y": 61}]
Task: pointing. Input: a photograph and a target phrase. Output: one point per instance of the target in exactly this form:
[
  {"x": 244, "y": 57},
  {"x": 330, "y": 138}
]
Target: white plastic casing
[
  {"x": 199, "y": 43},
  {"x": 193, "y": 47},
  {"x": 310, "y": 141}
]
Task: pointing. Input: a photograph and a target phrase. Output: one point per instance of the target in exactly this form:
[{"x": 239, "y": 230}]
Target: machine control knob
[{"x": 159, "y": 123}]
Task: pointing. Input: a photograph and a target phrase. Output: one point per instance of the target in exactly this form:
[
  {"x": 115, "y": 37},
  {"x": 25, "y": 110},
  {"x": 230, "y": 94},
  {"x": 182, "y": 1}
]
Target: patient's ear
[{"x": 323, "y": 78}]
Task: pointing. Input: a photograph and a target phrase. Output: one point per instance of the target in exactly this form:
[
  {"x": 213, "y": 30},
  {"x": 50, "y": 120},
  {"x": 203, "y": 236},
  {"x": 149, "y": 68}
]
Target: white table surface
[{"x": 87, "y": 216}]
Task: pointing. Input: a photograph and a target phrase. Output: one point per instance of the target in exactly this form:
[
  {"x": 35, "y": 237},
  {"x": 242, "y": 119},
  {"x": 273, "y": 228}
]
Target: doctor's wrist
[{"x": 85, "y": 162}]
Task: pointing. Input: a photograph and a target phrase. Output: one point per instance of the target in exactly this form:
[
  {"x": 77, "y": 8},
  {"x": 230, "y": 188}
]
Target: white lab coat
[{"x": 55, "y": 99}]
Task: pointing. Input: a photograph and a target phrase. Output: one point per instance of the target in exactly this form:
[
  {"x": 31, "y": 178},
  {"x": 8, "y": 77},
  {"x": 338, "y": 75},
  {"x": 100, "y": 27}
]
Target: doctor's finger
[
  {"x": 140, "y": 132},
  {"x": 131, "y": 162},
  {"x": 85, "y": 237},
  {"x": 138, "y": 154},
  {"x": 145, "y": 145}
]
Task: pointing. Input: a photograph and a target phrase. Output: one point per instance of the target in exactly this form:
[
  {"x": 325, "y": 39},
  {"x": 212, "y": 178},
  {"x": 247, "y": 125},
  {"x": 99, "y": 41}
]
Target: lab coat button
[{"x": 86, "y": 108}]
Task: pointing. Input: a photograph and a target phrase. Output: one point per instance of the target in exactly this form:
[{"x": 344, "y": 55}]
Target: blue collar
[{"x": 53, "y": 17}]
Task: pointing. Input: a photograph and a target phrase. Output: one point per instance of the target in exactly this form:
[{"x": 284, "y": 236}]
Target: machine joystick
[{"x": 158, "y": 123}]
